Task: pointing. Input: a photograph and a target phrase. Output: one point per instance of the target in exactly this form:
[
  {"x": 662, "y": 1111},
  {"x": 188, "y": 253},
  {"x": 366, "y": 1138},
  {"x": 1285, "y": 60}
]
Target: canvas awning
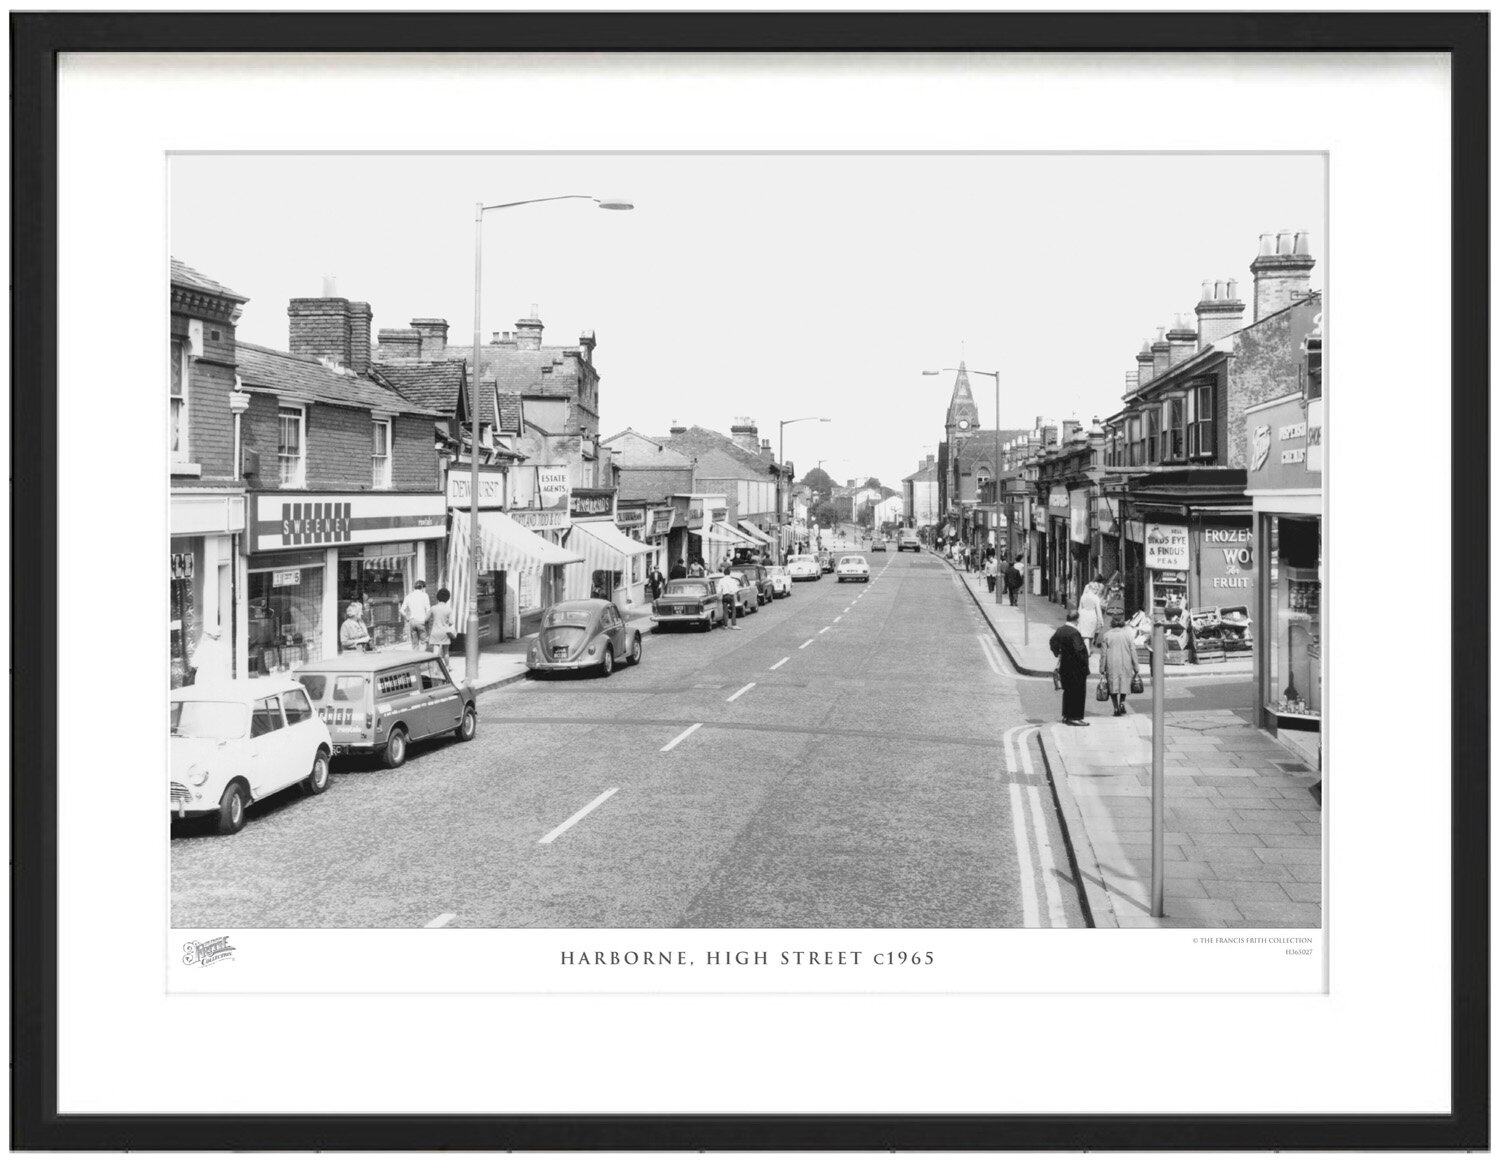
[
  {"x": 721, "y": 534},
  {"x": 756, "y": 533},
  {"x": 503, "y": 544},
  {"x": 604, "y": 549}
]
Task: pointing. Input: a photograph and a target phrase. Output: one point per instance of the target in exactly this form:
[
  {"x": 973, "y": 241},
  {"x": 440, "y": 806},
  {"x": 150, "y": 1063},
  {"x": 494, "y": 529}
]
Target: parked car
[
  {"x": 909, "y": 540},
  {"x": 746, "y": 598},
  {"x": 758, "y": 576},
  {"x": 878, "y": 546},
  {"x": 853, "y": 567},
  {"x": 584, "y": 634},
  {"x": 804, "y": 567},
  {"x": 688, "y": 600},
  {"x": 237, "y": 741},
  {"x": 825, "y": 561},
  {"x": 380, "y": 703},
  {"x": 781, "y": 580}
]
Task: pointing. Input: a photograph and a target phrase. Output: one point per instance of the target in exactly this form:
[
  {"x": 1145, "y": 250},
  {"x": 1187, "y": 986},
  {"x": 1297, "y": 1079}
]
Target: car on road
[
  {"x": 688, "y": 601},
  {"x": 759, "y": 577},
  {"x": 236, "y": 741},
  {"x": 746, "y": 597},
  {"x": 853, "y": 567},
  {"x": 878, "y": 547},
  {"x": 909, "y": 540},
  {"x": 380, "y": 703},
  {"x": 804, "y": 567},
  {"x": 825, "y": 561},
  {"x": 583, "y": 634},
  {"x": 781, "y": 580}
]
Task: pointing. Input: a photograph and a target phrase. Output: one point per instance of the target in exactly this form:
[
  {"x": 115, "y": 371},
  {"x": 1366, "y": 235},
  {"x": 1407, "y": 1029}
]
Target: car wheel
[
  {"x": 607, "y": 664},
  {"x": 468, "y": 725},
  {"x": 394, "y": 754},
  {"x": 317, "y": 779},
  {"x": 635, "y": 651},
  {"x": 232, "y": 803}
]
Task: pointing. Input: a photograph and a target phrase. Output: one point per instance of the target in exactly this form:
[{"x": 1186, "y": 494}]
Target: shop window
[
  {"x": 177, "y": 417},
  {"x": 297, "y": 708},
  {"x": 1200, "y": 421},
  {"x": 285, "y": 609},
  {"x": 603, "y": 584},
  {"x": 378, "y": 581},
  {"x": 291, "y": 450},
  {"x": 1295, "y": 671},
  {"x": 380, "y": 456}
]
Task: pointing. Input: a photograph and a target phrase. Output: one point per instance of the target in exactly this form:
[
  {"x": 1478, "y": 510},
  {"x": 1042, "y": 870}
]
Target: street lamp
[
  {"x": 996, "y": 470},
  {"x": 471, "y": 626},
  {"x": 781, "y": 460}
]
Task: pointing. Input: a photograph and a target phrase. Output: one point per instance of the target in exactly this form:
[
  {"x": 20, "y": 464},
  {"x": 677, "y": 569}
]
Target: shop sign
[
  {"x": 1039, "y": 519},
  {"x": 552, "y": 486},
  {"x": 1058, "y": 498},
  {"x": 718, "y": 514},
  {"x": 1078, "y": 516},
  {"x": 1166, "y": 546},
  {"x": 1134, "y": 531},
  {"x": 661, "y": 522},
  {"x": 309, "y": 520},
  {"x": 182, "y": 566},
  {"x": 1106, "y": 515},
  {"x": 1286, "y": 445},
  {"x": 1226, "y": 561},
  {"x": 286, "y": 577},
  {"x": 540, "y": 518},
  {"x": 491, "y": 488},
  {"x": 630, "y": 518},
  {"x": 592, "y": 503}
]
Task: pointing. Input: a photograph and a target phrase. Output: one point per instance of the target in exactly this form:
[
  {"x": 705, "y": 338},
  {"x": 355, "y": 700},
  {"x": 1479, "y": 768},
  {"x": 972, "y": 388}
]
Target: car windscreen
[
  {"x": 851, "y": 561},
  {"x": 677, "y": 589},
  {"x": 195, "y": 719},
  {"x": 804, "y": 557},
  {"x": 568, "y": 617}
]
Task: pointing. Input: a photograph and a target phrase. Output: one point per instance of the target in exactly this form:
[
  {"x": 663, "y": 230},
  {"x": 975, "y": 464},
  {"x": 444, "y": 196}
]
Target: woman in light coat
[
  {"x": 1091, "y": 615},
  {"x": 1117, "y": 663}
]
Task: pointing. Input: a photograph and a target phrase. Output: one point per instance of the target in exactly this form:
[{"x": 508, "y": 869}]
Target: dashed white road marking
[
  {"x": 739, "y": 692},
  {"x": 681, "y": 737},
  {"x": 439, "y": 921},
  {"x": 806, "y": 644},
  {"x": 838, "y": 618},
  {"x": 578, "y": 815},
  {"x": 846, "y": 609},
  {"x": 782, "y": 663},
  {"x": 1029, "y": 916},
  {"x": 824, "y": 630}
]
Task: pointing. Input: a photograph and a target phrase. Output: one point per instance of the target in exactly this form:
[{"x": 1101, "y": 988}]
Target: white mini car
[{"x": 240, "y": 740}]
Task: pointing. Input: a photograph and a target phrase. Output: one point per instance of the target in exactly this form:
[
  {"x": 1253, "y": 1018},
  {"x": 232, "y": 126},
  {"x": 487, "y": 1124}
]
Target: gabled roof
[
  {"x": 716, "y": 464},
  {"x": 278, "y": 371},
  {"x": 696, "y": 441},
  {"x": 511, "y": 412},
  {"x": 434, "y": 385},
  {"x": 928, "y": 472},
  {"x": 185, "y": 276},
  {"x": 633, "y": 450}
]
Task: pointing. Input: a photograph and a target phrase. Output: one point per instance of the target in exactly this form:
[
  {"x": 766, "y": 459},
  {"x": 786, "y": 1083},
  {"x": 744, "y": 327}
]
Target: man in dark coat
[
  {"x": 1013, "y": 580},
  {"x": 1073, "y": 667},
  {"x": 679, "y": 569}
]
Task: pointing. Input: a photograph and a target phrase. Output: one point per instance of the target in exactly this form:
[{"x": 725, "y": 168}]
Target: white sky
[{"x": 773, "y": 286}]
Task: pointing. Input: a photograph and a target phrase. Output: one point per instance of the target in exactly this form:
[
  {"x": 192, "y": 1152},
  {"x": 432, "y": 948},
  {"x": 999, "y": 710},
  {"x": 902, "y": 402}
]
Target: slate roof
[
  {"x": 633, "y": 450},
  {"x": 186, "y": 276},
  {"x": 432, "y": 385},
  {"x": 510, "y": 412},
  {"x": 279, "y": 371},
  {"x": 547, "y": 371},
  {"x": 698, "y": 441},
  {"x": 928, "y": 472}
]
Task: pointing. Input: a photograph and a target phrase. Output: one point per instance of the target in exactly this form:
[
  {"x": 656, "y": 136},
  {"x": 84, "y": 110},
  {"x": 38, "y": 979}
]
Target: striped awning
[
  {"x": 721, "y": 534},
  {"x": 503, "y": 544},
  {"x": 756, "y": 533}
]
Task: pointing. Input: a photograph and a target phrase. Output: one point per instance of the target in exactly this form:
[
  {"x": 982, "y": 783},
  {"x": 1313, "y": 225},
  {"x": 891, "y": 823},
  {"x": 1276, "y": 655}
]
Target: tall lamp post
[
  {"x": 471, "y": 626},
  {"x": 781, "y": 460},
  {"x": 996, "y": 377}
]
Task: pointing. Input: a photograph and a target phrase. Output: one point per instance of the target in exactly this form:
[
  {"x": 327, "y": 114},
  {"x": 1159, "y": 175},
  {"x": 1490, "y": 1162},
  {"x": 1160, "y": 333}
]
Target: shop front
[
  {"x": 312, "y": 554},
  {"x": 612, "y": 566},
  {"x": 204, "y": 591},
  {"x": 519, "y": 574},
  {"x": 1080, "y": 544},
  {"x": 1199, "y": 580},
  {"x": 1285, "y": 482}
]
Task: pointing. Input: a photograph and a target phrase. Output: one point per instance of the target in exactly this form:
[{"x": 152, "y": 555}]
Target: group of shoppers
[
  {"x": 1074, "y": 644},
  {"x": 429, "y": 624}
]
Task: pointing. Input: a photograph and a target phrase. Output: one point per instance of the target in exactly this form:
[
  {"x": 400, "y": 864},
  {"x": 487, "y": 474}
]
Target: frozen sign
[
  {"x": 1166, "y": 546},
  {"x": 1227, "y": 561}
]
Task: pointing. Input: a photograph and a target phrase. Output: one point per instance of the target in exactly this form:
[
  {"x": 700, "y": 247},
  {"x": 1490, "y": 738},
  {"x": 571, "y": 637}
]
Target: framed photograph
[{"x": 882, "y": 640}]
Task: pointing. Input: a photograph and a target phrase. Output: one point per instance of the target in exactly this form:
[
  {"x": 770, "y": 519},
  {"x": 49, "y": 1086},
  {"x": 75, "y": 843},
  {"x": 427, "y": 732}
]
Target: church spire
[{"x": 963, "y": 413}]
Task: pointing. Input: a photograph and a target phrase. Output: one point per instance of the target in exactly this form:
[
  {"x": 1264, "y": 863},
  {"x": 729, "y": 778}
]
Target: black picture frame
[{"x": 37, "y": 39}]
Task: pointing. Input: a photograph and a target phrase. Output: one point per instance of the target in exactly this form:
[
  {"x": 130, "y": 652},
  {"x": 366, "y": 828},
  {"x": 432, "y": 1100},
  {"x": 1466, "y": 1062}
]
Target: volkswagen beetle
[{"x": 583, "y": 634}]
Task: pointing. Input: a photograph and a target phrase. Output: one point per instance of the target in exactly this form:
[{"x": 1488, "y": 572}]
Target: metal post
[
  {"x": 471, "y": 627},
  {"x": 995, "y": 476},
  {"x": 1158, "y": 760},
  {"x": 1026, "y": 581}
]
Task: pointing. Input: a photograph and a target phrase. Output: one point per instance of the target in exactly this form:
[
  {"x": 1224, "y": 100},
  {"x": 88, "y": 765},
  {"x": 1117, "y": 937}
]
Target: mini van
[{"x": 379, "y": 703}]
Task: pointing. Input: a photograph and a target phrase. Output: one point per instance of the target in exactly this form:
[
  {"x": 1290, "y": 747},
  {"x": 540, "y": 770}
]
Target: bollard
[{"x": 1158, "y": 762}]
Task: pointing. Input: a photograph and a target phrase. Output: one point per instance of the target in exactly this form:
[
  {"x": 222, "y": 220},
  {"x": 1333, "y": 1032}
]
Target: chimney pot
[
  {"x": 330, "y": 287},
  {"x": 1267, "y": 244},
  {"x": 1218, "y": 288},
  {"x": 1234, "y": 288},
  {"x": 1301, "y": 245},
  {"x": 1208, "y": 291}
]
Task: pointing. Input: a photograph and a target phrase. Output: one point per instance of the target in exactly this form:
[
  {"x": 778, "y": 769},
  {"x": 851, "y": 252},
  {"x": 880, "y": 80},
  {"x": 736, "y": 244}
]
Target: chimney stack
[
  {"x": 1219, "y": 311},
  {"x": 677, "y": 429},
  {"x": 400, "y": 345},
  {"x": 529, "y": 332},
  {"x": 744, "y": 433},
  {"x": 1282, "y": 270},
  {"x": 319, "y": 329},
  {"x": 586, "y": 343},
  {"x": 1161, "y": 352},
  {"x": 434, "y": 335},
  {"x": 1144, "y": 364},
  {"x": 1182, "y": 341},
  {"x": 359, "y": 338}
]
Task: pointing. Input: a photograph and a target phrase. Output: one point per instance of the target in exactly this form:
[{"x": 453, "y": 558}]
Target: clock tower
[{"x": 962, "y": 419}]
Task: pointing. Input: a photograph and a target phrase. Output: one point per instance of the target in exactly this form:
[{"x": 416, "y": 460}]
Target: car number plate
[{"x": 559, "y": 652}]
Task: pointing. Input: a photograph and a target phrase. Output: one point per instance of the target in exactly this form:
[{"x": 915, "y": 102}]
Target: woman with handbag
[{"x": 1117, "y": 664}]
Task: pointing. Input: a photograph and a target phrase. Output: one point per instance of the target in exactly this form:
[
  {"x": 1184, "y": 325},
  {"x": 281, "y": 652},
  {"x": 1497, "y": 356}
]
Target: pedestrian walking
[
  {"x": 729, "y": 587},
  {"x": 1091, "y": 622},
  {"x": 1117, "y": 663},
  {"x": 416, "y": 608},
  {"x": 353, "y": 633},
  {"x": 1013, "y": 580},
  {"x": 211, "y": 661},
  {"x": 1072, "y": 668},
  {"x": 656, "y": 581},
  {"x": 697, "y": 569},
  {"x": 679, "y": 569},
  {"x": 989, "y": 575},
  {"x": 441, "y": 633}
]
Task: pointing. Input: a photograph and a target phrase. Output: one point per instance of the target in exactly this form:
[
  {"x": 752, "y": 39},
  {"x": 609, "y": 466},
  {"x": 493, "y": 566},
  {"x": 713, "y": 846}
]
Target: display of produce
[{"x": 1234, "y": 627}]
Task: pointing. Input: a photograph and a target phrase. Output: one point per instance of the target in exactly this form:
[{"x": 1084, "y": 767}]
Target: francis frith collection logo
[{"x": 207, "y": 952}]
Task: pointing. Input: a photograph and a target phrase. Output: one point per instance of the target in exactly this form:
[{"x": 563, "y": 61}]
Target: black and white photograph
[{"x": 860, "y": 539}]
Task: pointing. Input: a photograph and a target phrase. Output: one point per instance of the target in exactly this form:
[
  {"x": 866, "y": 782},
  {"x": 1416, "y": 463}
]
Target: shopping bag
[
  {"x": 1057, "y": 680},
  {"x": 1136, "y": 686},
  {"x": 1101, "y": 692}
]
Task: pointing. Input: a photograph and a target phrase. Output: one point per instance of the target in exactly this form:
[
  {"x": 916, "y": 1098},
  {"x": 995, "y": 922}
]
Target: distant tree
[
  {"x": 873, "y": 483},
  {"x": 826, "y": 513},
  {"x": 819, "y": 481}
]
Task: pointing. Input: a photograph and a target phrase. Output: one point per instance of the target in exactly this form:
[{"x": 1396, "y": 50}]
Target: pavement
[{"x": 1243, "y": 830}]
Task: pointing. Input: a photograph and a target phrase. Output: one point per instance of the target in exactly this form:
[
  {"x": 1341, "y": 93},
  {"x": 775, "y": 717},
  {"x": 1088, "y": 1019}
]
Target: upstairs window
[
  {"x": 1173, "y": 436},
  {"x": 380, "y": 455},
  {"x": 177, "y": 391},
  {"x": 1153, "y": 443},
  {"x": 1137, "y": 441},
  {"x": 1200, "y": 421},
  {"x": 291, "y": 446}
]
